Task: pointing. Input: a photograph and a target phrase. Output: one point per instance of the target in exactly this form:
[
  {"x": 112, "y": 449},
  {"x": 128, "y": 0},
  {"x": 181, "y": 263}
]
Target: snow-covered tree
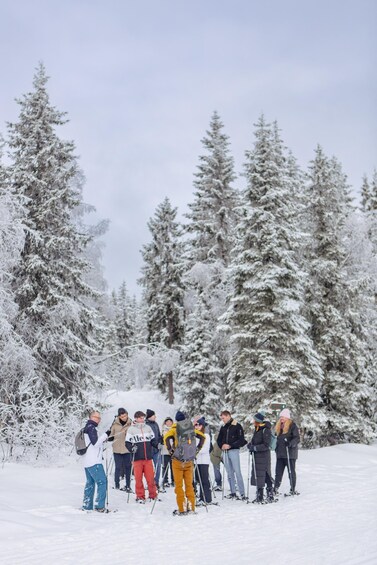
[
  {"x": 201, "y": 379},
  {"x": 162, "y": 285},
  {"x": 49, "y": 285},
  {"x": 16, "y": 358},
  {"x": 212, "y": 213},
  {"x": 273, "y": 356},
  {"x": 337, "y": 327}
]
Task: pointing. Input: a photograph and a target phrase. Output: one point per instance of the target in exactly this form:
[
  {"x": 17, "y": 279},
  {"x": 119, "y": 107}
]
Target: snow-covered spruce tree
[
  {"x": 16, "y": 358},
  {"x": 49, "y": 287},
  {"x": 334, "y": 306},
  {"x": 273, "y": 357},
  {"x": 162, "y": 285},
  {"x": 212, "y": 213},
  {"x": 201, "y": 379},
  {"x": 212, "y": 219}
]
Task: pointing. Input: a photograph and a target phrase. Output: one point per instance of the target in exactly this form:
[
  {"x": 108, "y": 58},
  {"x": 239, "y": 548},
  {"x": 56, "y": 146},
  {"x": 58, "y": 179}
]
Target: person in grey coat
[{"x": 259, "y": 448}]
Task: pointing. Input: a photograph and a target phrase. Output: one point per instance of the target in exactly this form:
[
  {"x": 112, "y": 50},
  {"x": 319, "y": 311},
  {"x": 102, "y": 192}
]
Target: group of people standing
[{"x": 180, "y": 455}]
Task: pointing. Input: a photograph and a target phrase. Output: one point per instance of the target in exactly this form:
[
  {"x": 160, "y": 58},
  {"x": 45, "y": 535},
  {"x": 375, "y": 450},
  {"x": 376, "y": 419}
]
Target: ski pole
[
  {"x": 107, "y": 482},
  {"x": 248, "y": 479},
  {"x": 132, "y": 466},
  {"x": 255, "y": 471},
  {"x": 224, "y": 468},
  {"x": 163, "y": 479},
  {"x": 201, "y": 485},
  {"x": 289, "y": 467}
]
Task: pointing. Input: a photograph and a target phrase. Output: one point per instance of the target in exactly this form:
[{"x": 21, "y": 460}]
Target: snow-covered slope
[{"x": 333, "y": 521}]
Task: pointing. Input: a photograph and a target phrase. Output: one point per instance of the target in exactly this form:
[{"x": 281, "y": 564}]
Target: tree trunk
[{"x": 170, "y": 388}]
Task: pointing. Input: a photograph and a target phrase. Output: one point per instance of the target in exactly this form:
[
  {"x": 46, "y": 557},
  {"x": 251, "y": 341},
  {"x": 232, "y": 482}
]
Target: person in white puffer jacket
[
  {"x": 202, "y": 464},
  {"x": 92, "y": 460}
]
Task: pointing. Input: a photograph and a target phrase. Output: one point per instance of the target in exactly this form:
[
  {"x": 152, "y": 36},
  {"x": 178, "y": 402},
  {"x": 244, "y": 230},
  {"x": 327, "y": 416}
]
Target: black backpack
[
  {"x": 80, "y": 445},
  {"x": 186, "y": 441}
]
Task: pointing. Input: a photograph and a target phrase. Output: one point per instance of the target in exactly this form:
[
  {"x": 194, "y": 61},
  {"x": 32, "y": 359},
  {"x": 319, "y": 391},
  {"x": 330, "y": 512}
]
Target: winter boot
[
  {"x": 259, "y": 497},
  {"x": 270, "y": 497}
]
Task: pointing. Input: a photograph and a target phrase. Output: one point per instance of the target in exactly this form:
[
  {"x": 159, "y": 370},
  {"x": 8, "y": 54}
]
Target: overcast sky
[{"x": 140, "y": 80}]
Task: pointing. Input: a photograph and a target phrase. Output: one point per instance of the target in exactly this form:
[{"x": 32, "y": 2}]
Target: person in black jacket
[
  {"x": 151, "y": 421},
  {"x": 259, "y": 448},
  {"x": 230, "y": 439},
  {"x": 288, "y": 438}
]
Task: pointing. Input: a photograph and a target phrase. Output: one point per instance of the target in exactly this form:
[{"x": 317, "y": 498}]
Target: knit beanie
[
  {"x": 150, "y": 413},
  {"x": 285, "y": 414},
  {"x": 259, "y": 416},
  {"x": 180, "y": 416},
  {"x": 201, "y": 421}
]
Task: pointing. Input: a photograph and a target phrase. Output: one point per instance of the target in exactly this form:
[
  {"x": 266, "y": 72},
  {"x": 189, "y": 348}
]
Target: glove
[
  {"x": 108, "y": 432},
  {"x": 251, "y": 447},
  {"x": 171, "y": 452},
  {"x": 134, "y": 448},
  {"x": 196, "y": 452}
]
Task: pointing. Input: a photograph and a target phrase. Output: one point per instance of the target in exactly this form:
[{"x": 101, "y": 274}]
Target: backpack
[
  {"x": 186, "y": 441},
  {"x": 80, "y": 445},
  {"x": 273, "y": 441}
]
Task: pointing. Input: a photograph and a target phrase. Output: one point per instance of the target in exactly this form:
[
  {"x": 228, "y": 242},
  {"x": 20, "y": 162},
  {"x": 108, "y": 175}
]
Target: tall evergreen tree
[
  {"x": 212, "y": 214},
  {"x": 336, "y": 324},
  {"x": 16, "y": 360},
  {"x": 162, "y": 282},
  {"x": 273, "y": 357},
  {"x": 48, "y": 283},
  {"x": 201, "y": 378}
]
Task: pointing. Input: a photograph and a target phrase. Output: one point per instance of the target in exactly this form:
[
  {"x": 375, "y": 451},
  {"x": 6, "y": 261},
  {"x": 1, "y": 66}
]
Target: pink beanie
[{"x": 285, "y": 413}]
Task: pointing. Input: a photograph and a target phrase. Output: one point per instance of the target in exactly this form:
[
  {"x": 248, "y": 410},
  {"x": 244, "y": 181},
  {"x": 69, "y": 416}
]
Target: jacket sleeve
[
  {"x": 295, "y": 436},
  {"x": 92, "y": 433},
  {"x": 219, "y": 440},
  {"x": 169, "y": 440},
  {"x": 201, "y": 437}
]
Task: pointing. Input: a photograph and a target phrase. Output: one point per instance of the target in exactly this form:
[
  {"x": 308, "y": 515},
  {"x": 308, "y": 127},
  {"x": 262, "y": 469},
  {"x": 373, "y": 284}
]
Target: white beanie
[{"x": 285, "y": 413}]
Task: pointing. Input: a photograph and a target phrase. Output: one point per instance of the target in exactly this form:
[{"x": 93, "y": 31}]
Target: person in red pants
[{"x": 139, "y": 441}]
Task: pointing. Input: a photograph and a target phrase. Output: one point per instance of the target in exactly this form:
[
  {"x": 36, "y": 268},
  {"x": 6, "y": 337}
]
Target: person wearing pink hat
[{"x": 288, "y": 438}]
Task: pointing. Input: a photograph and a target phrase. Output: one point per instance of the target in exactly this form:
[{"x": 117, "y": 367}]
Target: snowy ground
[{"x": 333, "y": 521}]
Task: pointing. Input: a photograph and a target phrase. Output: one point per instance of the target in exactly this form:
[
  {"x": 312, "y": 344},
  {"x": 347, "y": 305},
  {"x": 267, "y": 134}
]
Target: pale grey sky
[{"x": 140, "y": 80}]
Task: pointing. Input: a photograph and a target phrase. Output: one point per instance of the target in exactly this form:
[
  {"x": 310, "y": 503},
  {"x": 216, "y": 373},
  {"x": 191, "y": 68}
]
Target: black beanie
[
  {"x": 180, "y": 416},
  {"x": 122, "y": 411},
  {"x": 150, "y": 413}
]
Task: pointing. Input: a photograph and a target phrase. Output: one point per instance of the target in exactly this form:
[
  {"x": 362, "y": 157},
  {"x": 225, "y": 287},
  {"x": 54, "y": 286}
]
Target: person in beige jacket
[{"x": 122, "y": 457}]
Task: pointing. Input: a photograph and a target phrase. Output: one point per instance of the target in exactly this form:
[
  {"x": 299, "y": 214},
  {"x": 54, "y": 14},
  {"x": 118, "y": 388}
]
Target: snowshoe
[
  {"x": 103, "y": 510},
  {"x": 218, "y": 488},
  {"x": 232, "y": 496},
  {"x": 178, "y": 513},
  {"x": 140, "y": 500},
  {"x": 162, "y": 490},
  {"x": 292, "y": 493},
  {"x": 153, "y": 499}
]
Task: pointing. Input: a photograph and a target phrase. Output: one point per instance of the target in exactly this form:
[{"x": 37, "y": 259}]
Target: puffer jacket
[
  {"x": 261, "y": 456},
  {"x": 290, "y": 439},
  {"x": 118, "y": 432},
  {"x": 94, "y": 453}
]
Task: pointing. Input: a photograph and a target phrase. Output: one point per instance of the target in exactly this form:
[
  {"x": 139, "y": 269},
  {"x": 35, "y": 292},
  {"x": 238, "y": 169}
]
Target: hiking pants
[
  {"x": 95, "y": 475},
  {"x": 122, "y": 468},
  {"x": 144, "y": 467},
  {"x": 166, "y": 463},
  {"x": 281, "y": 464},
  {"x": 232, "y": 464},
  {"x": 202, "y": 478},
  {"x": 183, "y": 473}
]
